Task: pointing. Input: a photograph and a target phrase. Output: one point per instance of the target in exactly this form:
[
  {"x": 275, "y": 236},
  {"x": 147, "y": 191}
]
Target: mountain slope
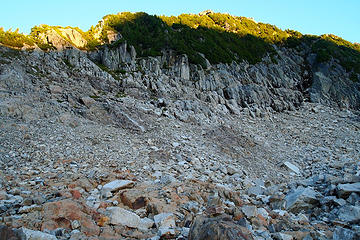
[
  {"x": 319, "y": 68},
  {"x": 150, "y": 127},
  {"x": 220, "y": 37}
]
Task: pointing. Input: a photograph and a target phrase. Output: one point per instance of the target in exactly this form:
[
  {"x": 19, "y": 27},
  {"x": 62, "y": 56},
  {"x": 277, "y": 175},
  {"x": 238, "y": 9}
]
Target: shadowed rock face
[
  {"x": 10, "y": 234},
  {"x": 218, "y": 228}
]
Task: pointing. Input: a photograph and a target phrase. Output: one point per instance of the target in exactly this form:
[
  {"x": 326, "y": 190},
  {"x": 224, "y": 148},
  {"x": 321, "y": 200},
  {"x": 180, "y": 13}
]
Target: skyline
[{"x": 323, "y": 17}]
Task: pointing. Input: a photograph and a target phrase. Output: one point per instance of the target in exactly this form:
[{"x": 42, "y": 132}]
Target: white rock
[
  {"x": 292, "y": 167},
  {"x": 120, "y": 216},
  {"x": 117, "y": 185},
  {"x": 37, "y": 235}
]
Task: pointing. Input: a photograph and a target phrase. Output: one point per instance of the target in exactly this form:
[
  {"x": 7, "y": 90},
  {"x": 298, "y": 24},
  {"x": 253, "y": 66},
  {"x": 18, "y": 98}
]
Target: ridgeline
[{"x": 216, "y": 37}]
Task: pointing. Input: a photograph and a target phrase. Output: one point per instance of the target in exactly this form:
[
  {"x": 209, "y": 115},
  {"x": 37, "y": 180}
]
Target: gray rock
[
  {"x": 249, "y": 211},
  {"x": 282, "y": 236},
  {"x": 302, "y": 199},
  {"x": 37, "y": 235},
  {"x": 255, "y": 191},
  {"x": 344, "y": 234},
  {"x": 344, "y": 190},
  {"x": 218, "y": 228},
  {"x": 146, "y": 223},
  {"x": 87, "y": 101},
  {"x": 7, "y": 233},
  {"x": 350, "y": 214},
  {"x": 166, "y": 232}
]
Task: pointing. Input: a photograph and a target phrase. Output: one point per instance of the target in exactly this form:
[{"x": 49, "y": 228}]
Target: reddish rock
[
  {"x": 61, "y": 213},
  {"x": 298, "y": 235},
  {"x": 75, "y": 194},
  {"x": 214, "y": 210},
  {"x": 102, "y": 221},
  {"x": 107, "y": 233},
  {"x": 133, "y": 198},
  {"x": 103, "y": 205}
]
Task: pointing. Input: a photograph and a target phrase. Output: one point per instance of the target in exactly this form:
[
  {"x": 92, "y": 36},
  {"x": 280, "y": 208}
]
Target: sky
[{"x": 339, "y": 17}]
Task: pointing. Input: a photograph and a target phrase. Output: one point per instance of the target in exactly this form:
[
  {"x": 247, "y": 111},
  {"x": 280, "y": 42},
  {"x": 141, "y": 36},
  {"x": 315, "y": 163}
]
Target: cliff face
[
  {"x": 179, "y": 89},
  {"x": 232, "y": 64}
]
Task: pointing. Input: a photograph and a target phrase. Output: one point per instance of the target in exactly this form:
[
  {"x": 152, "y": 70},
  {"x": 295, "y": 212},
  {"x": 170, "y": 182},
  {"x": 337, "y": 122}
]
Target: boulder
[
  {"x": 249, "y": 211},
  {"x": 344, "y": 190},
  {"x": 120, "y": 216},
  {"x": 345, "y": 234},
  {"x": 302, "y": 199},
  {"x": 62, "y": 213},
  {"x": 217, "y": 228},
  {"x": 133, "y": 198},
  {"x": 165, "y": 220},
  {"x": 349, "y": 214}
]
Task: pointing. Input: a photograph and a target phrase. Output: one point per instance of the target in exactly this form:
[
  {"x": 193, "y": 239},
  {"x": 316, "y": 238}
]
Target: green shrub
[{"x": 14, "y": 39}]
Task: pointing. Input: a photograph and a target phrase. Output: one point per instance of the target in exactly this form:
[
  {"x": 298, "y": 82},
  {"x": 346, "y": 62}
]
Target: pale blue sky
[{"x": 340, "y": 17}]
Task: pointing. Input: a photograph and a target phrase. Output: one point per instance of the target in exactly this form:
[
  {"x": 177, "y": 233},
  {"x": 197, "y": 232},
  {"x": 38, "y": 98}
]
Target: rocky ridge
[{"x": 105, "y": 145}]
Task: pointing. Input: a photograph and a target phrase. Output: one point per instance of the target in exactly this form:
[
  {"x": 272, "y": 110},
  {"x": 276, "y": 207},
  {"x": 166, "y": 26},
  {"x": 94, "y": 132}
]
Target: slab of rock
[
  {"x": 344, "y": 190},
  {"x": 120, "y": 216},
  {"x": 218, "y": 228},
  {"x": 345, "y": 234},
  {"x": 37, "y": 235},
  {"x": 255, "y": 191},
  {"x": 117, "y": 185},
  {"x": 302, "y": 199},
  {"x": 350, "y": 214},
  {"x": 292, "y": 167},
  {"x": 27, "y": 209}
]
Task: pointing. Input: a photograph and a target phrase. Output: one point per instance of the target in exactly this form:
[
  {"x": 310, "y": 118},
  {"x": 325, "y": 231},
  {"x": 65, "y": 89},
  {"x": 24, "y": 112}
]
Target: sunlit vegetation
[
  {"x": 14, "y": 38},
  {"x": 331, "y": 46},
  {"x": 218, "y": 37}
]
